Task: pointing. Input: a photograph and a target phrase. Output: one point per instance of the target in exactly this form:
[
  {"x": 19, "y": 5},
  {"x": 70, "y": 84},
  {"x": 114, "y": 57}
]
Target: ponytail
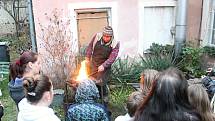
[
  {"x": 17, "y": 68},
  {"x": 14, "y": 70},
  {"x": 35, "y": 87}
]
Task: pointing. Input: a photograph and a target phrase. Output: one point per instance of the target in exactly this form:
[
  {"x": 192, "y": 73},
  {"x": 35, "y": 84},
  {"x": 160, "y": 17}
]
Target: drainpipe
[
  {"x": 212, "y": 22},
  {"x": 32, "y": 27},
  {"x": 200, "y": 27},
  {"x": 181, "y": 24}
]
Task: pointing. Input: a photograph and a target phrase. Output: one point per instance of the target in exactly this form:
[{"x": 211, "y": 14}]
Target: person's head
[
  {"x": 198, "y": 98},
  {"x": 172, "y": 87},
  {"x": 107, "y": 34},
  {"x": 134, "y": 100},
  {"x": 28, "y": 62},
  {"x": 38, "y": 89},
  {"x": 86, "y": 92},
  {"x": 146, "y": 79},
  {"x": 169, "y": 98}
]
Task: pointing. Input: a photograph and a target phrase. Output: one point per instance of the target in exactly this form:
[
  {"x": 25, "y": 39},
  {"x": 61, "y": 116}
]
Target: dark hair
[
  {"x": 133, "y": 102},
  {"x": 169, "y": 100},
  {"x": 35, "y": 87},
  {"x": 17, "y": 68}
]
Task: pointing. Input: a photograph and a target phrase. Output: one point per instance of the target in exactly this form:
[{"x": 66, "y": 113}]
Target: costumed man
[{"x": 100, "y": 55}]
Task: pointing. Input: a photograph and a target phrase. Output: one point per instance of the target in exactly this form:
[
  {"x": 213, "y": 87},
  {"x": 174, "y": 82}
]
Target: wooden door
[{"x": 90, "y": 23}]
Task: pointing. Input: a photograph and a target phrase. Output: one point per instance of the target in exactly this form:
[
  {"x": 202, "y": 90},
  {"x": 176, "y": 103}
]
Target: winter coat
[
  {"x": 86, "y": 108},
  {"x": 29, "y": 112},
  {"x": 16, "y": 90}
]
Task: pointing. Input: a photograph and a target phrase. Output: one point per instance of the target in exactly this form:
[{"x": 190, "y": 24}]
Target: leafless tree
[{"x": 59, "y": 51}]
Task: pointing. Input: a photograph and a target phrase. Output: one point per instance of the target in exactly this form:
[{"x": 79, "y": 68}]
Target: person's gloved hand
[{"x": 101, "y": 68}]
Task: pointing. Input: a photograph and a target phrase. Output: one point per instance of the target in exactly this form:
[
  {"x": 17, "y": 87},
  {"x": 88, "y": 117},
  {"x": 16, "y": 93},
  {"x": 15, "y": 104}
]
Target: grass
[
  {"x": 118, "y": 97},
  {"x": 10, "y": 110}
]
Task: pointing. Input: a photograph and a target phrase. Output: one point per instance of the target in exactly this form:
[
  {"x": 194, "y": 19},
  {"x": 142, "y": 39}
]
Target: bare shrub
[{"x": 57, "y": 48}]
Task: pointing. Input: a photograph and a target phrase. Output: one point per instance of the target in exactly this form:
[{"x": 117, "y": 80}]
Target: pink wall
[
  {"x": 128, "y": 26},
  {"x": 127, "y": 19},
  {"x": 193, "y": 21}
]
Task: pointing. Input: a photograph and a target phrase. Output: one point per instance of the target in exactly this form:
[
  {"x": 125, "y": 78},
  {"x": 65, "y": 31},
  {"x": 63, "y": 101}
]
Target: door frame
[{"x": 110, "y": 7}]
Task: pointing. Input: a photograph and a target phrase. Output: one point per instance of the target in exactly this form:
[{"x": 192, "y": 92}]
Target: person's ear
[
  {"x": 30, "y": 64},
  {"x": 47, "y": 95}
]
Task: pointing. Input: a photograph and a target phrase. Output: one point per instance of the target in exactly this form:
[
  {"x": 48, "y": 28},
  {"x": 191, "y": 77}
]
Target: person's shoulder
[
  {"x": 71, "y": 107},
  {"x": 124, "y": 118},
  {"x": 100, "y": 106},
  {"x": 119, "y": 118},
  {"x": 193, "y": 116},
  {"x": 98, "y": 35},
  {"x": 23, "y": 104}
]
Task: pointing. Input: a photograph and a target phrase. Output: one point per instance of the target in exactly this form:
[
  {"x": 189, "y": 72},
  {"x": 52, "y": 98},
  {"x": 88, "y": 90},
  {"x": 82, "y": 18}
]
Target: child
[
  {"x": 86, "y": 108},
  {"x": 39, "y": 95},
  {"x": 133, "y": 102},
  {"x": 198, "y": 98},
  {"x": 147, "y": 78},
  {"x": 168, "y": 100}
]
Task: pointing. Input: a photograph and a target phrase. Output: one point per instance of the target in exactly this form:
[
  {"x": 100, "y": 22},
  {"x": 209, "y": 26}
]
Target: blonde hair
[
  {"x": 198, "y": 98},
  {"x": 147, "y": 78},
  {"x": 133, "y": 102}
]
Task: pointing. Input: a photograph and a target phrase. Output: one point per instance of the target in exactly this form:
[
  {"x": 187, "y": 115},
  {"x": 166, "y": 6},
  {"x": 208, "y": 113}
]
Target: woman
[
  {"x": 26, "y": 66},
  {"x": 198, "y": 98},
  {"x": 39, "y": 95},
  {"x": 168, "y": 100}
]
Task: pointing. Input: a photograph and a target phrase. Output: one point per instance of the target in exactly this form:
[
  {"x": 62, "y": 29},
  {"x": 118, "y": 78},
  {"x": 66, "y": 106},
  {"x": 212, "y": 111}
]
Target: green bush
[
  {"x": 118, "y": 99},
  {"x": 156, "y": 49},
  {"x": 209, "y": 50},
  {"x": 126, "y": 70},
  {"x": 158, "y": 62},
  {"x": 159, "y": 58},
  {"x": 191, "y": 61},
  {"x": 17, "y": 45}
]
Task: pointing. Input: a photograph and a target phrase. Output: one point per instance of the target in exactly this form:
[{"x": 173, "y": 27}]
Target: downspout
[
  {"x": 200, "y": 27},
  {"x": 32, "y": 27},
  {"x": 212, "y": 22},
  {"x": 181, "y": 24}
]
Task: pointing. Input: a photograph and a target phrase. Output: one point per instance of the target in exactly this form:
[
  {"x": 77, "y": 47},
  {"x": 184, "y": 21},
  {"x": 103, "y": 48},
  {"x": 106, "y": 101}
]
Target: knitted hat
[{"x": 108, "y": 30}]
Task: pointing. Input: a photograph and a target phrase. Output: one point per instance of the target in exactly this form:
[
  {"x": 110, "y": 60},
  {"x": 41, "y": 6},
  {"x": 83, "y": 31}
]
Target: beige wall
[{"x": 7, "y": 24}]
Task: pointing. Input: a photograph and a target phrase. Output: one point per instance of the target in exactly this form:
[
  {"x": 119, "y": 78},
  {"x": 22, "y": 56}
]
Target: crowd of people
[{"x": 163, "y": 96}]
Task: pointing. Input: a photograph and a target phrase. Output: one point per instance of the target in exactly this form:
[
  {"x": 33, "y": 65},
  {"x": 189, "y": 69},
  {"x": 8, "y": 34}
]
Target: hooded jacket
[
  {"x": 86, "y": 108},
  {"x": 30, "y": 112},
  {"x": 16, "y": 90}
]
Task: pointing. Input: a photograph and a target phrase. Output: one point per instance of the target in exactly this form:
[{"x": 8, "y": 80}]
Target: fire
[{"x": 82, "y": 72}]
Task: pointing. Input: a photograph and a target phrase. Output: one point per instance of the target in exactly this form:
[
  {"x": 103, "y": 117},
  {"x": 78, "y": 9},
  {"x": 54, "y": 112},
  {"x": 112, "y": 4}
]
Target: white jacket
[
  {"x": 28, "y": 112},
  {"x": 126, "y": 117}
]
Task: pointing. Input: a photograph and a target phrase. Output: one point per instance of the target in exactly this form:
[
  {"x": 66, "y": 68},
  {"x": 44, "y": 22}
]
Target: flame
[{"x": 82, "y": 72}]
